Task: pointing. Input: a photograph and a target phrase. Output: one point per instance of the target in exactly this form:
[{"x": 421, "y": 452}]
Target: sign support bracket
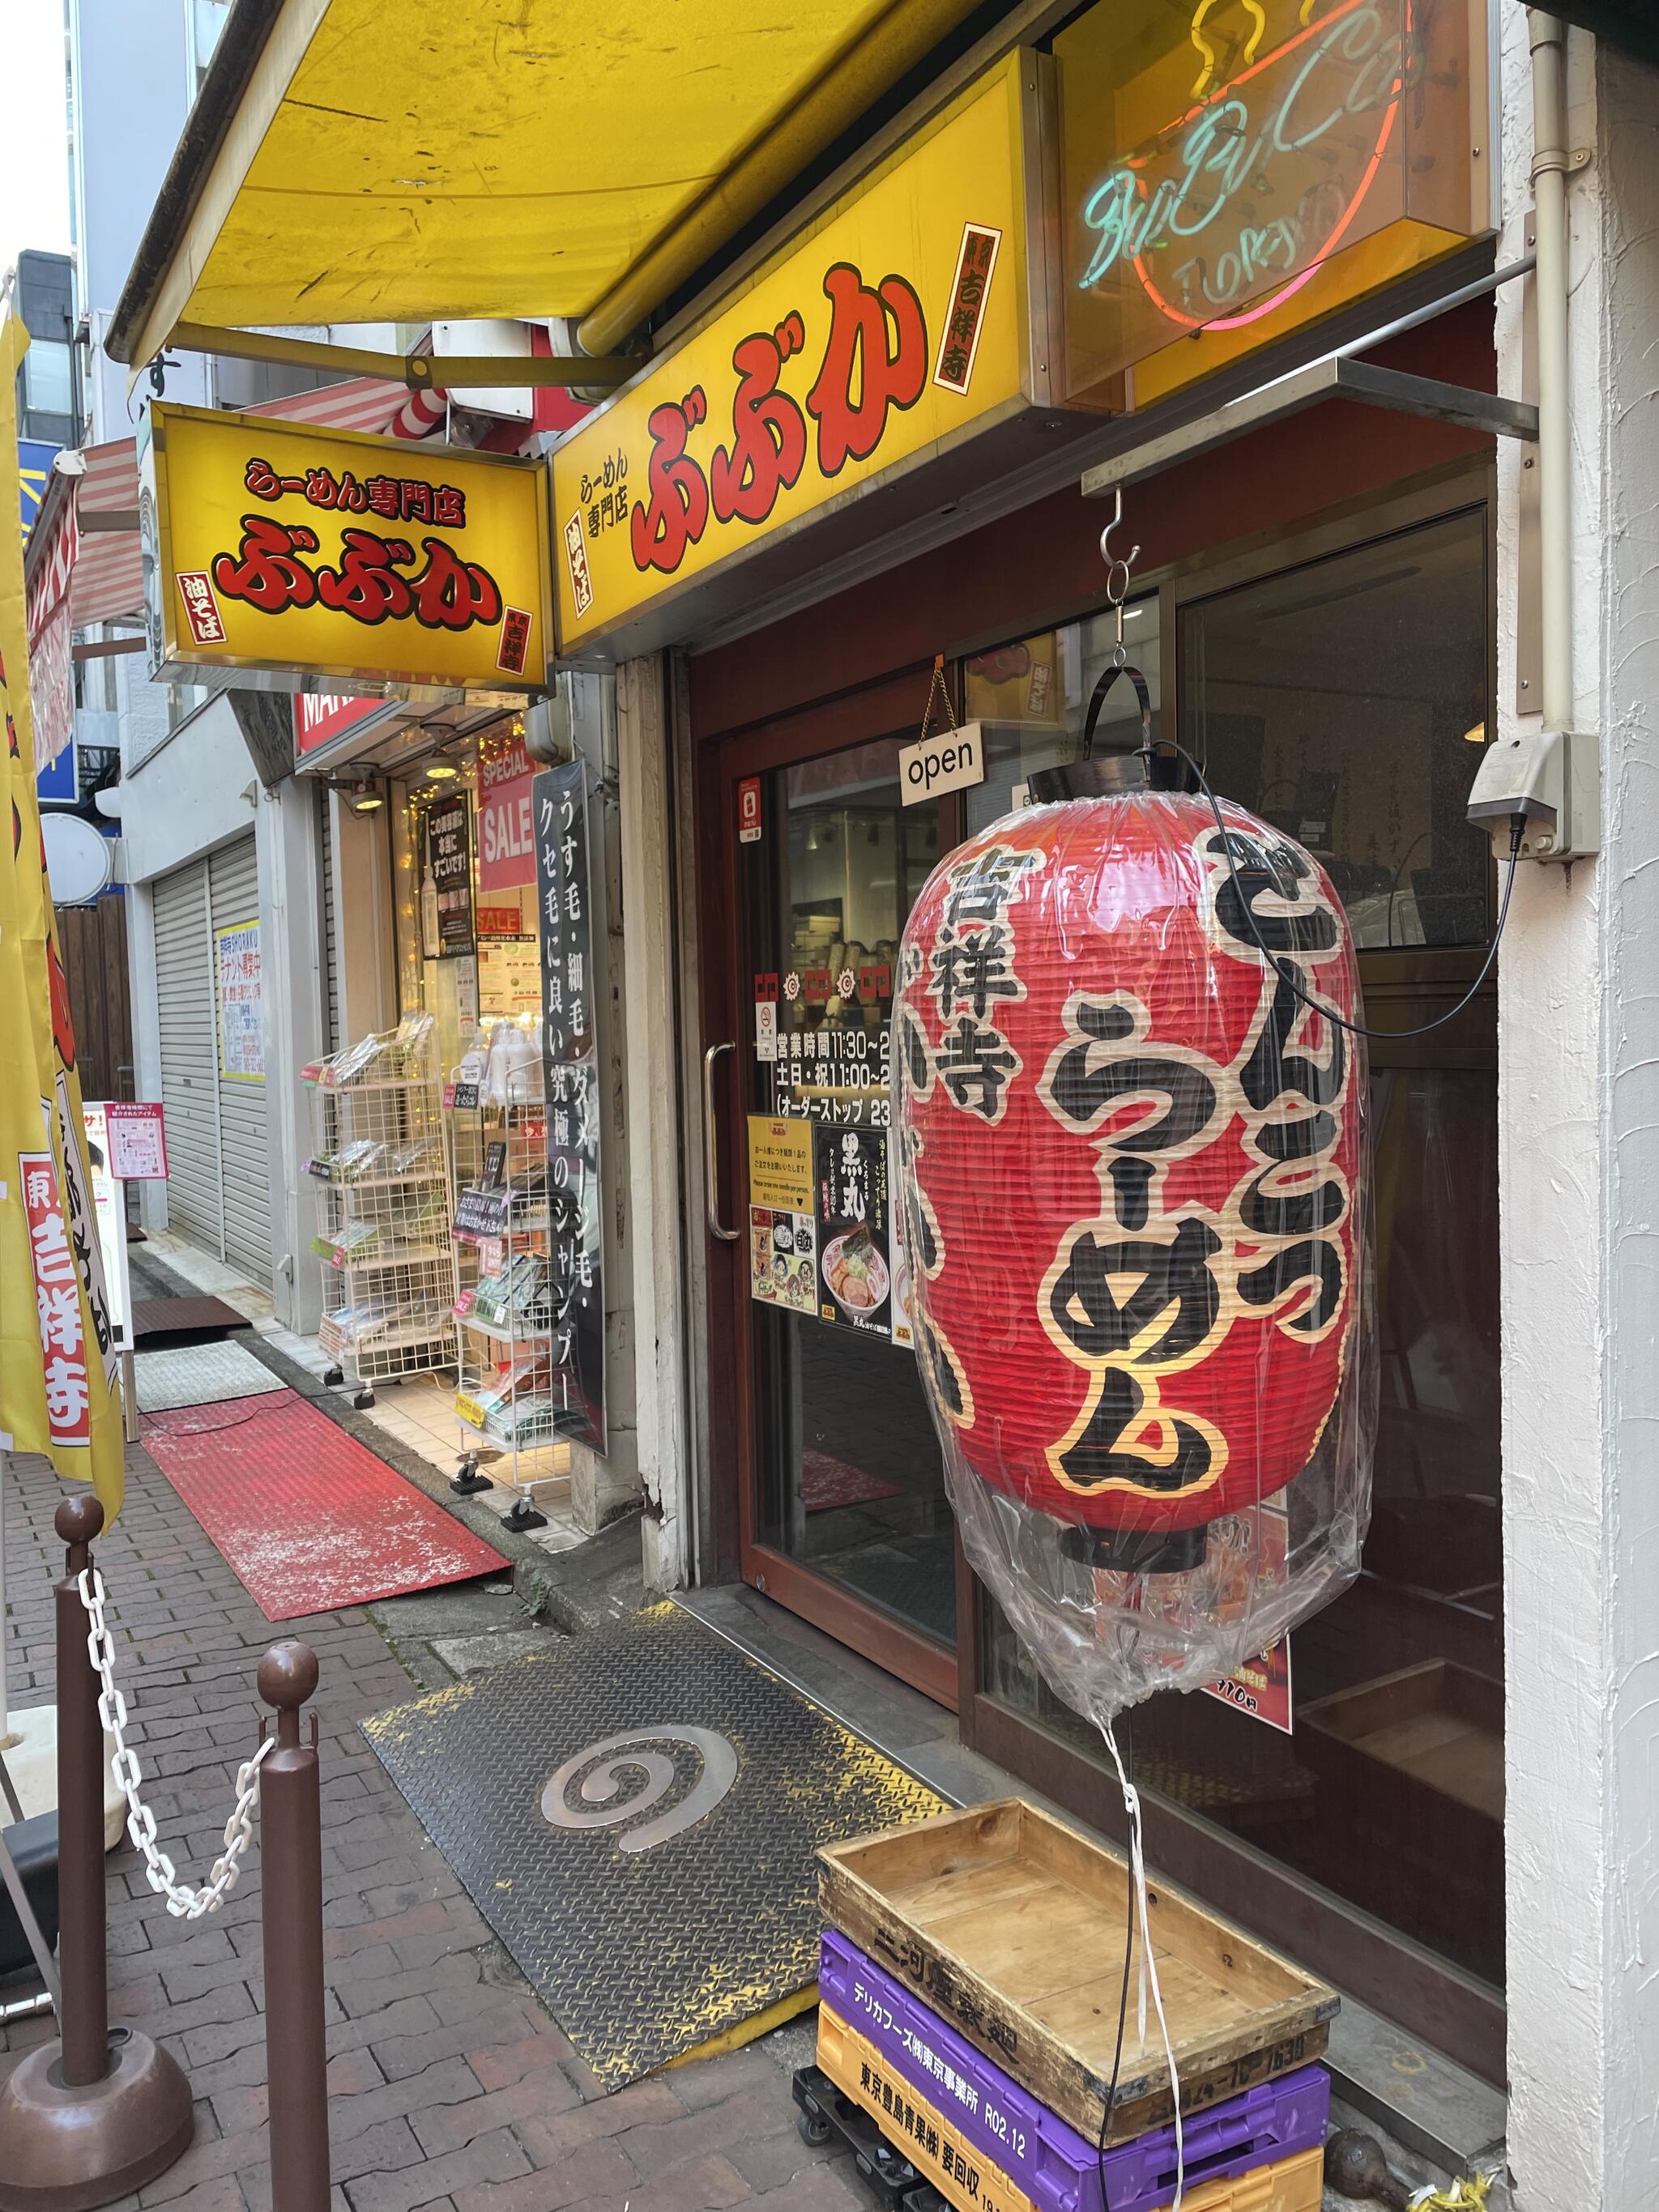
[
  {"x": 419, "y": 371},
  {"x": 1361, "y": 381}
]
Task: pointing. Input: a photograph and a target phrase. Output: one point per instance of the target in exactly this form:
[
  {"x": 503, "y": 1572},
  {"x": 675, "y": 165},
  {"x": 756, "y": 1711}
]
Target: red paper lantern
[{"x": 1132, "y": 1159}]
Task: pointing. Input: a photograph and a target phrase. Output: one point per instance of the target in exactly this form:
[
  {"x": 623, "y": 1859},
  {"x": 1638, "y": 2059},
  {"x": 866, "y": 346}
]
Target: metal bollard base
[{"x": 67, "y": 2150}]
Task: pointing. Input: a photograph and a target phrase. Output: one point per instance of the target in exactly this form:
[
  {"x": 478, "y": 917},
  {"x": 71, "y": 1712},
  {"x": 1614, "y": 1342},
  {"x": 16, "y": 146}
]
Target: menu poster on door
[
  {"x": 241, "y": 1002},
  {"x": 570, "y": 1070},
  {"x": 783, "y": 1248},
  {"x": 850, "y": 1173},
  {"x": 783, "y": 1259},
  {"x": 449, "y": 869}
]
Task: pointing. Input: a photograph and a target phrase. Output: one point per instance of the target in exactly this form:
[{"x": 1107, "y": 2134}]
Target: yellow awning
[{"x": 353, "y": 162}]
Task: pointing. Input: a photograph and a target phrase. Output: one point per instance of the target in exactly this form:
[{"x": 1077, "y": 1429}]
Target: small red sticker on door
[{"x": 749, "y": 810}]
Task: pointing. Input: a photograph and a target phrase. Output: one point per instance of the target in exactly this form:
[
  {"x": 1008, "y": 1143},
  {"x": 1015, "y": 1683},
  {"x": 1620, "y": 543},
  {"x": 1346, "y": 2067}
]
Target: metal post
[
  {"x": 80, "y": 1813},
  {"x": 291, "y": 1878},
  {"x": 1550, "y": 162},
  {"x": 93, "y": 2116},
  {"x": 129, "y": 1388}
]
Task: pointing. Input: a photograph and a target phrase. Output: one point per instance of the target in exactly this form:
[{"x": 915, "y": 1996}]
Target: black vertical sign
[
  {"x": 570, "y": 1067},
  {"x": 449, "y": 856}
]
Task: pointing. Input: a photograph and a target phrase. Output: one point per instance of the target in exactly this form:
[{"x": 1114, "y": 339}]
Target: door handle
[{"x": 711, "y": 1187}]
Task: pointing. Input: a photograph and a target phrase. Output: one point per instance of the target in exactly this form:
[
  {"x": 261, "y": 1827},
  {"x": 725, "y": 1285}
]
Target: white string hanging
[{"x": 1148, "y": 1962}]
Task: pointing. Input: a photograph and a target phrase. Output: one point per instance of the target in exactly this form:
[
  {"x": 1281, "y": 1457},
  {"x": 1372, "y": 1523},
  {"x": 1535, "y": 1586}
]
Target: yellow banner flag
[{"x": 58, "y": 1355}]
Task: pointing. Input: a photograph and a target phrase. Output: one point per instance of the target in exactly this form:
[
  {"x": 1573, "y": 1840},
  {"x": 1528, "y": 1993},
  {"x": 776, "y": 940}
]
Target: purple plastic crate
[{"x": 1059, "y": 2169}]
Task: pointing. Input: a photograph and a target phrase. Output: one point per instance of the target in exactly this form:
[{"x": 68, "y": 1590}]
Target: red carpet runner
[{"x": 308, "y": 1518}]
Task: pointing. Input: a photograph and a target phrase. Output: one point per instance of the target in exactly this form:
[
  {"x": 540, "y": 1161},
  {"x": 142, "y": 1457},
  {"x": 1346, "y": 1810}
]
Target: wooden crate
[{"x": 1012, "y": 1926}]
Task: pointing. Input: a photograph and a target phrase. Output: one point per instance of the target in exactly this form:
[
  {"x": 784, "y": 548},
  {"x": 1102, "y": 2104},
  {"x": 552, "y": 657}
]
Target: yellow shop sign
[
  {"x": 900, "y": 322},
  {"x": 276, "y": 545}
]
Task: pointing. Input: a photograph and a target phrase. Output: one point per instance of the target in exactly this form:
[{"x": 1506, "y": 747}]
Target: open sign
[{"x": 950, "y": 760}]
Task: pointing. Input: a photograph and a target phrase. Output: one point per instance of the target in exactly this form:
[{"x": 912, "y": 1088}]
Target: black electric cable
[
  {"x": 1287, "y": 971},
  {"x": 1128, "y": 1757}
]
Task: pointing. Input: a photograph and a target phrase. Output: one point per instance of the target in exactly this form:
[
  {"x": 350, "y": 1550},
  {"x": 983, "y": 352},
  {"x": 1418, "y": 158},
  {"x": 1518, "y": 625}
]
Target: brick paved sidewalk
[{"x": 451, "y": 2085}]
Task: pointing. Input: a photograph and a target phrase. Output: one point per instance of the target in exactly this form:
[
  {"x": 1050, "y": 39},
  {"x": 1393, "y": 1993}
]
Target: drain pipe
[{"x": 1551, "y": 166}]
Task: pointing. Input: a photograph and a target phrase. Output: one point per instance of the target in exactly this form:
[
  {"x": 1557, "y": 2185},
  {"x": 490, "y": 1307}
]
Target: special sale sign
[
  {"x": 898, "y": 323},
  {"x": 277, "y": 545},
  {"x": 507, "y": 834}
]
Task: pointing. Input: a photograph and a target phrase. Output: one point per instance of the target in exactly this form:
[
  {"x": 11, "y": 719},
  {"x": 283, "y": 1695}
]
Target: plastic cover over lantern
[{"x": 1134, "y": 1167}]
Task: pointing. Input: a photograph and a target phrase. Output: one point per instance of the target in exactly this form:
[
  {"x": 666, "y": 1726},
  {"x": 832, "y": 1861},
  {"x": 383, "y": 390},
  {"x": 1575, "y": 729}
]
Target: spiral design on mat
[{"x": 626, "y": 1776}]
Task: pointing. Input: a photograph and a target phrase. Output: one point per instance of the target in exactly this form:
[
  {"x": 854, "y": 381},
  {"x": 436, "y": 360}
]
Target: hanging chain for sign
[
  {"x": 182, "y": 1902},
  {"x": 938, "y": 694}
]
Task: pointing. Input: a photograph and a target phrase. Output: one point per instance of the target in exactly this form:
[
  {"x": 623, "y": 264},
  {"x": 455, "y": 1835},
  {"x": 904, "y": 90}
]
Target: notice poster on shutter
[
  {"x": 570, "y": 1069},
  {"x": 241, "y": 985},
  {"x": 138, "y": 1140}
]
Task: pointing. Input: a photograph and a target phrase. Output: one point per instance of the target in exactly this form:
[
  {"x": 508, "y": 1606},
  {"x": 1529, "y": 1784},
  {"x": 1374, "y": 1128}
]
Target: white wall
[
  {"x": 196, "y": 792},
  {"x": 1579, "y": 1179},
  {"x": 131, "y": 86},
  {"x": 658, "y": 1129}
]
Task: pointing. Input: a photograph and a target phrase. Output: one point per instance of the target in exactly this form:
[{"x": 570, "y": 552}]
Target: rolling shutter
[
  {"x": 184, "y": 992},
  {"x": 245, "y": 1172}
]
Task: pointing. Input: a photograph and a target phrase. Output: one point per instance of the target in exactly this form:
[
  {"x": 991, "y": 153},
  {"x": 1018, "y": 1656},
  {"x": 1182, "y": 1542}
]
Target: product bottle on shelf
[{"x": 429, "y": 940}]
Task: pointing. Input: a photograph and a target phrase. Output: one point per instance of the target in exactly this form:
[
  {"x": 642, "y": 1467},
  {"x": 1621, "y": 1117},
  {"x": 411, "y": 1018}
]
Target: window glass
[
  {"x": 1346, "y": 703},
  {"x": 1032, "y": 695},
  {"x": 849, "y": 1479},
  {"x": 1389, "y": 1788},
  {"x": 48, "y": 382}
]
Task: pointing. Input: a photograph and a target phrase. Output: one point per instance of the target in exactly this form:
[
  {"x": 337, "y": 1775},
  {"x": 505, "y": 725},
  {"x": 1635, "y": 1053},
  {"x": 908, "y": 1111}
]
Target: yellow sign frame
[
  {"x": 960, "y": 199},
  {"x": 196, "y": 464}
]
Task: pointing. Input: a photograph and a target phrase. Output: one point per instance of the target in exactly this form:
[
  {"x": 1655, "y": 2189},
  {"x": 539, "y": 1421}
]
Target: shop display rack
[
  {"x": 383, "y": 1234},
  {"x": 507, "y": 1406}
]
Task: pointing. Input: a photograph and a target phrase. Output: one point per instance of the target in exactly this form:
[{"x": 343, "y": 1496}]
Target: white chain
[{"x": 182, "y": 1903}]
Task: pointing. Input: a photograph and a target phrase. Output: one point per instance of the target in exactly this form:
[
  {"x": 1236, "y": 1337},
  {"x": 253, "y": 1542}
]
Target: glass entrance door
[{"x": 847, "y": 1518}]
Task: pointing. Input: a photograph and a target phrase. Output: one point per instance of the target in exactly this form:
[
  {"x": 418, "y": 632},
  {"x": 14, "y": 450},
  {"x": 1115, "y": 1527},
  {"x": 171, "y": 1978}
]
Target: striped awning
[
  {"x": 48, "y": 579},
  {"x": 109, "y": 577}
]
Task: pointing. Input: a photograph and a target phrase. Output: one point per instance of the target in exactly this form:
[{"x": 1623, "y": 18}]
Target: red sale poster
[{"x": 506, "y": 839}]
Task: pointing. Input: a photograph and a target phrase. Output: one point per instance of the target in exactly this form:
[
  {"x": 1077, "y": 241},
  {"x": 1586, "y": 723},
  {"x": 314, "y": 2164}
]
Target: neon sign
[{"x": 1309, "y": 124}]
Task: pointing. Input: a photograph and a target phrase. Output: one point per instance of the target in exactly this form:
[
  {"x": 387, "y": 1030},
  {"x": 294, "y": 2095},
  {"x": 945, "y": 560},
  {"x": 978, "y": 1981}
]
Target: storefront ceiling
[
  {"x": 512, "y": 158},
  {"x": 1631, "y": 24}
]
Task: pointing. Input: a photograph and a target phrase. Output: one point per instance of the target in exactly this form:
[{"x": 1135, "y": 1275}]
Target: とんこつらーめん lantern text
[{"x": 1135, "y": 1170}]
